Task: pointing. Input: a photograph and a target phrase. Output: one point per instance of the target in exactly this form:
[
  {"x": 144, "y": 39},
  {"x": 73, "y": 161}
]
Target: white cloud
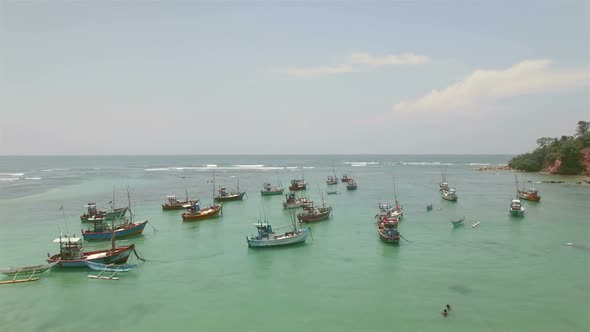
[
  {"x": 357, "y": 62},
  {"x": 483, "y": 87}
]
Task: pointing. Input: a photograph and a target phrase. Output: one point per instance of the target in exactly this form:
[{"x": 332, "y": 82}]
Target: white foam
[
  {"x": 308, "y": 167},
  {"x": 362, "y": 163},
  {"x": 54, "y": 169},
  {"x": 157, "y": 169},
  {"x": 9, "y": 179},
  {"x": 33, "y": 178},
  {"x": 249, "y": 166},
  {"x": 210, "y": 165},
  {"x": 12, "y": 174},
  {"x": 427, "y": 163},
  {"x": 478, "y": 164}
]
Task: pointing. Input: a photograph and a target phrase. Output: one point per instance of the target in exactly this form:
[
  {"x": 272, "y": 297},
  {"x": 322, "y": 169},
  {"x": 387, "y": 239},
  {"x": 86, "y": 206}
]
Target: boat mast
[
  {"x": 129, "y": 205},
  {"x": 113, "y": 201}
]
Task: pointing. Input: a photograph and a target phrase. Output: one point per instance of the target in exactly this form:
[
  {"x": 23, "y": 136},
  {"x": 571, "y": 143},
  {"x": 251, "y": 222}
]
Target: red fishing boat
[
  {"x": 195, "y": 212},
  {"x": 387, "y": 228},
  {"x": 311, "y": 213}
]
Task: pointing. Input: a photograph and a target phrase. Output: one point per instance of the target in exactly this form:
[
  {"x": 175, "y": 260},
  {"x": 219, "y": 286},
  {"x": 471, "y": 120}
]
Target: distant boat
[
  {"x": 268, "y": 189},
  {"x": 195, "y": 212},
  {"x": 332, "y": 192},
  {"x": 223, "y": 195},
  {"x": 297, "y": 185},
  {"x": 311, "y": 213},
  {"x": 267, "y": 237},
  {"x": 450, "y": 195},
  {"x": 293, "y": 202},
  {"x": 345, "y": 178},
  {"x": 172, "y": 203},
  {"x": 516, "y": 209},
  {"x": 352, "y": 185},
  {"x": 458, "y": 222},
  {"x": 332, "y": 179},
  {"x": 429, "y": 207},
  {"x": 111, "y": 267}
]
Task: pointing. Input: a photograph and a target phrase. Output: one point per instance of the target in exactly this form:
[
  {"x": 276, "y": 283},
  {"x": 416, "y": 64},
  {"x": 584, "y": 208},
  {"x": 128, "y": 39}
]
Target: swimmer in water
[
  {"x": 445, "y": 313},
  {"x": 448, "y": 307}
]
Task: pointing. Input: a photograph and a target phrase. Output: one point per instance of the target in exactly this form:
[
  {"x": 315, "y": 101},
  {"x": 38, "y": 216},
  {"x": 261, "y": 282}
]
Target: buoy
[
  {"x": 569, "y": 244},
  {"x": 475, "y": 225}
]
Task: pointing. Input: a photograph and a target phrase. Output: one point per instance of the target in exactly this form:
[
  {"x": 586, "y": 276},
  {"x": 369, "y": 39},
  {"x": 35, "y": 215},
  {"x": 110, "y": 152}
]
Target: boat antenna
[{"x": 64, "y": 216}]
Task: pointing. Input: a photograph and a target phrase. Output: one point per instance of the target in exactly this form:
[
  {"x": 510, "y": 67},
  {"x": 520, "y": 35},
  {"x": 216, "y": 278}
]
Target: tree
[
  {"x": 583, "y": 128},
  {"x": 570, "y": 158},
  {"x": 544, "y": 141}
]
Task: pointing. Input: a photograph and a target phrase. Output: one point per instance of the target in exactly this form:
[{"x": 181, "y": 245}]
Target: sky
[{"x": 290, "y": 77}]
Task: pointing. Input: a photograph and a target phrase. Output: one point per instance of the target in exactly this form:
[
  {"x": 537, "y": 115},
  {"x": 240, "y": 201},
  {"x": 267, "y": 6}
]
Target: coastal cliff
[{"x": 568, "y": 155}]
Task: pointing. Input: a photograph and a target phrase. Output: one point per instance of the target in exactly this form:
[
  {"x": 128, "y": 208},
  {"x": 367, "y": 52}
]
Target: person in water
[
  {"x": 445, "y": 313},
  {"x": 448, "y": 307}
]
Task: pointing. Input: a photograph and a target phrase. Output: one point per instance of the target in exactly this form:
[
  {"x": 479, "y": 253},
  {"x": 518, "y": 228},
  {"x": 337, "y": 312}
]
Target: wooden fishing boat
[
  {"x": 111, "y": 267},
  {"x": 531, "y": 194},
  {"x": 72, "y": 254},
  {"x": 311, "y": 213},
  {"x": 26, "y": 270},
  {"x": 195, "y": 212},
  {"x": 268, "y": 237},
  {"x": 352, "y": 185},
  {"x": 224, "y": 196},
  {"x": 297, "y": 185},
  {"x": 268, "y": 189},
  {"x": 116, "y": 213},
  {"x": 100, "y": 230},
  {"x": 458, "y": 222},
  {"x": 345, "y": 178},
  {"x": 172, "y": 203},
  {"x": 91, "y": 212},
  {"x": 387, "y": 229},
  {"x": 516, "y": 209},
  {"x": 332, "y": 179},
  {"x": 292, "y": 202}
]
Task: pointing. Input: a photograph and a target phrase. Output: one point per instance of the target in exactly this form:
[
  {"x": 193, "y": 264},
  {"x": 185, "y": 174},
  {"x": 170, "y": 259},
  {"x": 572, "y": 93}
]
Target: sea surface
[{"x": 507, "y": 274}]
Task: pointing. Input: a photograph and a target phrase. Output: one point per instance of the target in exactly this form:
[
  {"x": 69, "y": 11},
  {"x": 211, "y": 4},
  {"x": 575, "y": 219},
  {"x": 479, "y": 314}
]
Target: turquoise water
[{"x": 505, "y": 275}]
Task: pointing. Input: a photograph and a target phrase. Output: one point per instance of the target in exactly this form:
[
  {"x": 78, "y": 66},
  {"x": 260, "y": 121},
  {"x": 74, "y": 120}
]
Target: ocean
[{"x": 507, "y": 274}]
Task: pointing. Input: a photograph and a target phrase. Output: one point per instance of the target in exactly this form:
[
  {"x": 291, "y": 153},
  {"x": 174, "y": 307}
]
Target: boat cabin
[
  {"x": 264, "y": 230},
  {"x": 172, "y": 200},
  {"x": 290, "y": 198},
  {"x": 70, "y": 248},
  {"x": 222, "y": 192},
  {"x": 267, "y": 186},
  {"x": 91, "y": 209},
  {"x": 516, "y": 204}
]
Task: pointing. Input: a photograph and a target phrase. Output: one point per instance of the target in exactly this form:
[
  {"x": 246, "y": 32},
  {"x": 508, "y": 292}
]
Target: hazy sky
[{"x": 226, "y": 77}]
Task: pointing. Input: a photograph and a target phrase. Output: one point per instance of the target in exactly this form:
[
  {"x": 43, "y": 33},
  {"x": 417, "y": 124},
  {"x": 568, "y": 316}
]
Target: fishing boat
[
  {"x": 332, "y": 179},
  {"x": 268, "y": 189},
  {"x": 531, "y": 194},
  {"x": 458, "y": 222},
  {"x": 293, "y": 202},
  {"x": 516, "y": 209},
  {"x": 297, "y": 185},
  {"x": 311, "y": 213},
  {"x": 100, "y": 230},
  {"x": 332, "y": 192},
  {"x": 72, "y": 254},
  {"x": 387, "y": 228},
  {"x": 26, "y": 270},
  {"x": 92, "y": 212},
  {"x": 224, "y": 196},
  {"x": 268, "y": 237},
  {"x": 450, "y": 195},
  {"x": 172, "y": 203},
  {"x": 345, "y": 178},
  {"x": 352, "y": 185},
  {"x": 196, "y": 213},
  {"x": 397, "y": 211}
]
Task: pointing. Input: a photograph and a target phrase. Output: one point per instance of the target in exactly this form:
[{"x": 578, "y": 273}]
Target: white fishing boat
[
  {"x": 450, "y": 194},
  {"x": 269, "y": 237},
  {"x": 516, "y": 209}
]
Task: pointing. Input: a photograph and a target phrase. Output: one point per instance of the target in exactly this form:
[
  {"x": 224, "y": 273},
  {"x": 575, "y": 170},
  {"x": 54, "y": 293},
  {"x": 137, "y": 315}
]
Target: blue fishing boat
[{"x": 102, "y": 231}]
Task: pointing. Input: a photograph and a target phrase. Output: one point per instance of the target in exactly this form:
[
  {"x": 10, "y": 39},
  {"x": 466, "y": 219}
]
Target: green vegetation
[{"x": 567, "y": 149}]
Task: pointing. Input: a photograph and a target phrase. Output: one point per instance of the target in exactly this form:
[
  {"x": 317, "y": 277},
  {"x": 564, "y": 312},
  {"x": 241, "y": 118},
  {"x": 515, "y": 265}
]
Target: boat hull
[
  {"x": 271, "y": 192},
  {"x": 136, "y": 229},
  {"x": 208, "y": 213},
  {"x": 236, "y": 197},
  {"x": 254, "y": 243},
  {"x": 530, "y": 198},
  {"x": 313, "y": 218},
  {"x": 27, "y": 270},
  {"x": 516, "y": 213},
  {"x": 389, "y": 239},
  {"x": 119, "y": 256},
  {"x": 179, "y": 206},
  {"x": 450, "y": 198}
]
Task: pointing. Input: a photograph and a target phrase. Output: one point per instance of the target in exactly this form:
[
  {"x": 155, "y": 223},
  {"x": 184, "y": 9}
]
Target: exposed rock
[{"x": 496, "y": 168}]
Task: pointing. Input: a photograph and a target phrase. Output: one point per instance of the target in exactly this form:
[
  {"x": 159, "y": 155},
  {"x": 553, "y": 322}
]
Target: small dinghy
[
  {"x": 458, "y": 222},
  {"x": 108, "y": 268}
]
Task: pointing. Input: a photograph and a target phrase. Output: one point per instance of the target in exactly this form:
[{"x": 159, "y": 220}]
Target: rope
[
  {"x": 405, "y": 238},
  {"x": 155, "y": 229},
  {"x": 138, "y": 257}
]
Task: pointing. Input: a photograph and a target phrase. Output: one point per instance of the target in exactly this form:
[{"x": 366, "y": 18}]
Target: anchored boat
[
  {"x": 311, "y": 213},
  {"x": 332, "y": 179},
  {"x": 352, "y": 185},
  {"x": 195, "y": 212},
  {"x": 268, "y": 189},
  {"x": 72, "y": 254},
  {"x": 293, "y": 202},
  {"x": 269, "y": 237}
]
